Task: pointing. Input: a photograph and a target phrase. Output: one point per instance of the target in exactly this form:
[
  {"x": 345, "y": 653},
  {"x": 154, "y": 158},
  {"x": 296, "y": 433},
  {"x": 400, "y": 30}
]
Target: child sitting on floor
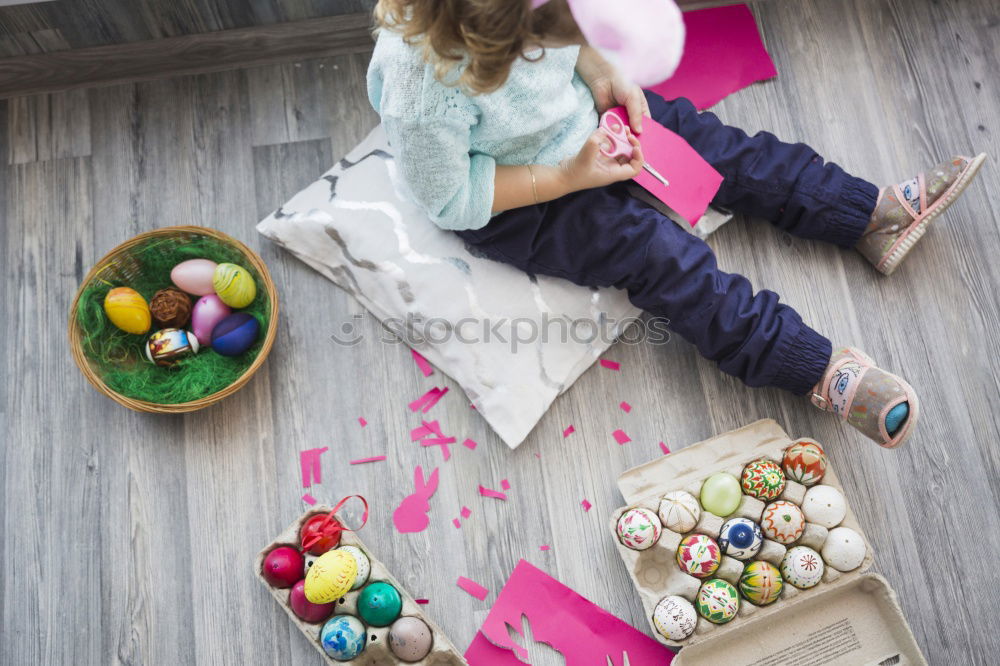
[{"x": 492, "y": 109}]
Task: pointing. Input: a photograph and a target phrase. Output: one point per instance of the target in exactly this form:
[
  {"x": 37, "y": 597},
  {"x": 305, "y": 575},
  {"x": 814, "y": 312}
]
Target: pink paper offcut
[
  {"x": 621, "y": 437},
  {"x": 505, "y": 484},
  {"x": 545, "y": 547},
  {"x": 664, "y": 448},
  {"x": 422, "y": 363},
  {"x": 470, "y": 444},
  {"x": 581, "y": 630},
  {"x": 309, "y": 499},
  {"x": 422, "y": 602},
  {"x": 362, "y": 461},
  {"x": 411, "y": 514},
  {"x": 610, "y": 365},
  {"x": 312, "y": 469},
  {"x": 723, "y": 53},
  {"x": 456, "y": 522},
  {"x": 625, "y": 407},
  {"x": 362, "y": 421},
  {"x": 495, "y": 494},
  {"x": 568, "y": 431},
  {"x": 586, "y": 505},
  {"x": 425, "y": 402},
  {"x": 466, "y": 512},
  {"x": 472, "y": 587}
]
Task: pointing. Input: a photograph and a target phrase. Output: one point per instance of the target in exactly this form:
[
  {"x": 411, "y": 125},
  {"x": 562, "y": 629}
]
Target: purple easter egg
[
  {"x": 235, "y": 334},
  {"x": 194, "y": 276},
  {"x": 206, "y": 315}
]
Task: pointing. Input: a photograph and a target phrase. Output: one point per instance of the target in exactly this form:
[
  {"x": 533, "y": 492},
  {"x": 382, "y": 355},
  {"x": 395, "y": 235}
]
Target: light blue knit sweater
[{"x": 447, "y": 143}]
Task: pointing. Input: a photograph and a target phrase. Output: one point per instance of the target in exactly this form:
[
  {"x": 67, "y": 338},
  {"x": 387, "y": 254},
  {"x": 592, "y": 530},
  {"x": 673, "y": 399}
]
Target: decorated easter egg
[
  {"x": 675, "y": 618},
  {"x": 235, "y": 334},
  {"x": 802, "y": 567},
  {"x": 171, "y": 308},
  {"x": 763, "y": 479},
  {"x": 379, "y": 604},
  {"x": 343, "y": 637},
  {"x": 410, "y": 639},
  {"x": 761, "y": 583},
  {"x": 307, "y": 561},
  {"x": 364, "y": 565},
  {"x": 169, "y": 345},
  {"x": 804, "y": 462},
  {"x": 844, "y": 549},
  {"x": 234, "y": 285},
  {"x": 718, "y": 601},
  {"x": 782, "y": 522},
  {"x": 720, "y": 494},
  {"x": 824, "y": 505},
  {"x": 128, "y": 310},
  {"x": 639, "y": 528},
  {"x": 194, "y": 276},
  {"x": 208, "y": 311},
  {"x": 740, "y": 538},
  {"x": 282, "y": 567},
  {"x": 698, "y": 555},
  {"x": 306, "y": 610},
  {"x": 320, "y": 533},
  {"x": 330, "y": 577},
  {"x": 679, "y": 511}
]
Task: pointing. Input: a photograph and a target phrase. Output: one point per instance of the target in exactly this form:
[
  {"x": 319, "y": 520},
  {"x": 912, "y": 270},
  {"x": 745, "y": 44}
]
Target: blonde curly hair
[{"x": 485, "y": 35}]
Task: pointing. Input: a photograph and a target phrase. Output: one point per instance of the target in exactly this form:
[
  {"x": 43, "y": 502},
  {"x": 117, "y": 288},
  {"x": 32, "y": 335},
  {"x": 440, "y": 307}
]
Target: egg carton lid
[{"x": 857, "y": 613}]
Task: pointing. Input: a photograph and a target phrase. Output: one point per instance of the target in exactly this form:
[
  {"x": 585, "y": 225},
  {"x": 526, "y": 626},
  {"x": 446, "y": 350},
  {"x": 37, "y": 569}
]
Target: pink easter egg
[
  {"x": 306, "y": 610},
  {"x": 205, "y": 315},
  {"x": 194, "y": 276}
]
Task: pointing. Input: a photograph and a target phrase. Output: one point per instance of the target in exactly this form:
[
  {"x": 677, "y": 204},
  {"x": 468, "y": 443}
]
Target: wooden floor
[{"x": 129, "y": 538}]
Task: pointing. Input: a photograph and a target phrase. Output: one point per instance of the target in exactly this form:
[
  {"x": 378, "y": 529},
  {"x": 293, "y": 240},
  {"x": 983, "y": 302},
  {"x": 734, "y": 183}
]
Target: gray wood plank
[{"x": 52, "y": 126}]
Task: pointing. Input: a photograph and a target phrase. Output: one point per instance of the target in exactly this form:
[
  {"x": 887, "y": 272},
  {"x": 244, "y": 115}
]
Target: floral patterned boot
[
  {"x": 904, "y": 211},
  {"x": 878, "y": 403}
]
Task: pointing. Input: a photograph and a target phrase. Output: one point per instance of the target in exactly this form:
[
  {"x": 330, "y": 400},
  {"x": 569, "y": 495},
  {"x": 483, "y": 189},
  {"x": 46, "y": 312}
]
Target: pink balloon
[{"x": 207, "y": 312}]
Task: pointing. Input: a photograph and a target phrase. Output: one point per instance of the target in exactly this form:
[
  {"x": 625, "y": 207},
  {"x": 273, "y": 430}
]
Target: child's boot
[
  {"x": 878, "y": 403},
  {"x": 904, "y": 211}
]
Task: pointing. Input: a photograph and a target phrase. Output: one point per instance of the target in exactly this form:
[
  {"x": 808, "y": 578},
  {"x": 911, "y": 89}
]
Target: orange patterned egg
[
  {"x": 805, "y": 462},
  {"x": 128, "y": 310}
]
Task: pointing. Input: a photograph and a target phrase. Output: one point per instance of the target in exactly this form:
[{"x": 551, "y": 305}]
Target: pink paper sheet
[
  {"x": 586, "y": 505},
  {"x": 664, "y": 448},
  {"x": 362, "y": 421},
  {"x": 311, "y": 466},
  {"x": 610, "y": 365},
  {"x": 625, "y": 407},
  {"x": 466, "y": 512},
  {"x": 456, "y": 522},
  {"x": 505, "y": 484},
  {"x": 723, "y": 53},
  {"x": 470, "y": 444},
  {"x": 472, "y": 587},
  {"x": 309, "y": 499},
  {"x": 428, "y": 399},
  {"x": 568, "y": 431},
  {"x": 495, "y": 494},
  {"x": 545, "y": 547},
  {"x": 692, "y": 182},
  {"x": 585, "y": 633},
  {"x": 362, "y": 461},
  {"x": 422, "y": 363},
  {"x": 621, "y": 437}
]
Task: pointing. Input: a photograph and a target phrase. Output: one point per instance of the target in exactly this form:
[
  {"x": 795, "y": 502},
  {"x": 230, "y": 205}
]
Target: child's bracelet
[{"x": 534, "y": 184}]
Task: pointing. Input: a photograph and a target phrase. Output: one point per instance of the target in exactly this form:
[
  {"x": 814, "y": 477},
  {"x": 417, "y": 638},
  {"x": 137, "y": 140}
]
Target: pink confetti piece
[
  {"x": 443, "y": 442},
  {"x": 309, "y": 499},
  {"x": 362, "y": 461},
  {"x": 610, "y": 365},
  {"x": 456, "y": 522},
  {"x": 568, "y": 431},
  {"x": 625, "y": 407},
  {"x": 472, "y": 587},
  {"x": 586, "y": 505},
  {"x": 362, "y": 421},
  {"x": 495, "y": 494},
  {"x": 422, "y": 363},
  {"x": 470, "y": 444},
  {"x": 428, "y": 400},
  {"x": 664, "y": 448},
  {"x": 538, "y": 455},
  {"x": 471, "y": 406},
  {"x": 466, "y": 512},
  {"x": 312, "y": 470},
  {"x": 422, "y": 602},
  {"x": 621, "y": 437},
  {"x": 545, "y": 547},
  {"x": 419, "y": 433},
  {"x": 505, "y": 484}
]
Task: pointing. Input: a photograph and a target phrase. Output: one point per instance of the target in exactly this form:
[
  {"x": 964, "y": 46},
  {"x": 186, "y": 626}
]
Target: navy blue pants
[{"x": 605, "y": 237}]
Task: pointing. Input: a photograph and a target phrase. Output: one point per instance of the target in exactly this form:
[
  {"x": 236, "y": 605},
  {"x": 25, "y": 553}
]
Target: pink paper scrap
[
  {"x": 309, "y": 499},
  {"x": 466, "y": 512},
  {"x": 428, "y": 400},
  {"x": 568, "y": 431},
  {"x": 472, "y": 587},
  {"x": 621, "y": 437},
  {"x": 663, "y": 447},
  {"x": 554, "y": 614},
  {"x": 312, "y": 470},
  {"x": 422, "y": 363},
  {"x": 545, "y": 547},
  {"x": 456, "y": 522},
  {"x": 362, "y": 421},
  {"x": 723, "y": 53},
  {"x": 505, "y": 484},
  {"x": 538, "y": 455},
  {"x": 610, "y": 365},
  {"x": 470, "y": 444},
  {"x": 625, "y": 407},
  {"x": 411, "y": 514},
  {"x": 443, "y": 442},
  {"x": 362, "y": 461},
  {"x": 495, "y": 494},
  {"x": 586, "y": 505},
  {"x": 422, "y": 602}
]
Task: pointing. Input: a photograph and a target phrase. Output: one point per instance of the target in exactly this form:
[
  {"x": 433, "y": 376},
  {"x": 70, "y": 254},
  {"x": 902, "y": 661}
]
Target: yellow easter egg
[
  {"x": 330, "y": 577},
  {"x": 233, "y": 285},
  {"x": 128, "y": 310}
]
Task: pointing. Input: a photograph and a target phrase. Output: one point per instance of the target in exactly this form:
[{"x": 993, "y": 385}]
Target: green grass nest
[{"x": 119, "y": 358}]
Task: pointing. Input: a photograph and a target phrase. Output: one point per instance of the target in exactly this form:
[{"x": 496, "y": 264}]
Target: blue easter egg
[
  {"x": 343, "y": 637},
  {"x": 235, "y": 334}
]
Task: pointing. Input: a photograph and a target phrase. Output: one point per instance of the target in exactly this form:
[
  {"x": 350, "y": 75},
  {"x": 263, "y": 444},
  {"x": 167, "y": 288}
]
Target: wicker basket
[{"x": 118, "y": 265}]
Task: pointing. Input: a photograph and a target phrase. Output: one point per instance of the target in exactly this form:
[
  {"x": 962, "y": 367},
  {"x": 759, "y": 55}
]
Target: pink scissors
[{"x": 618, "y": 132}]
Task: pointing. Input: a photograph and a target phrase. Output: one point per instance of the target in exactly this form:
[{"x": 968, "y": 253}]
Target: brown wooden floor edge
[{"x": 190, "y": 54}]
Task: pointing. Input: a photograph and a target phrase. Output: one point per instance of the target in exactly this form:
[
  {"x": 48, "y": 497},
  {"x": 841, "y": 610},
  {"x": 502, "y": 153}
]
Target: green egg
[
  {"x": 721, "y": 493},
  {"x": 379, "y": 604}
]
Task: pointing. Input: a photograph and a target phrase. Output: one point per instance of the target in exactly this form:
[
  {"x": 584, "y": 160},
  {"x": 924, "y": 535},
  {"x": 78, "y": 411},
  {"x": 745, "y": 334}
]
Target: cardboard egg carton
[
  {"x": 850, "y": 612},
  {"x": 376, "y": 653}
]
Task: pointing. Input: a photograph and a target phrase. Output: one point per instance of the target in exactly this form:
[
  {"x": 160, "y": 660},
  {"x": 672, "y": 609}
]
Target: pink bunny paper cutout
[{"x": 411, "y": 514}]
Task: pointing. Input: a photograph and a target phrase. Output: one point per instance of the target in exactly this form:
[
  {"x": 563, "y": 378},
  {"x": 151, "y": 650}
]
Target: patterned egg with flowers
[
  {"x": 718, "y": 601},
  {"x": 763, "y": 479},
  {"x": 804, "y": 462},
  {"x": 698, "y": 555},
  {"x": 638, "y": 528},
  {"x": 802, "y": 567},
  {"x": 761, "y": 583}
]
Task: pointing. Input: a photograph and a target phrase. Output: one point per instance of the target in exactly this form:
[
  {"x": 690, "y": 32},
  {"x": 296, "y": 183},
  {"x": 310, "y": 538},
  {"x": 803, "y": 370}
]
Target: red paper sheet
[{"x": 723, "y": 53}]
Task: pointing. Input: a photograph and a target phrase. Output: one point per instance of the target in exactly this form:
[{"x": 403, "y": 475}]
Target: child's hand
[{"x": 592, "y": 168}]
